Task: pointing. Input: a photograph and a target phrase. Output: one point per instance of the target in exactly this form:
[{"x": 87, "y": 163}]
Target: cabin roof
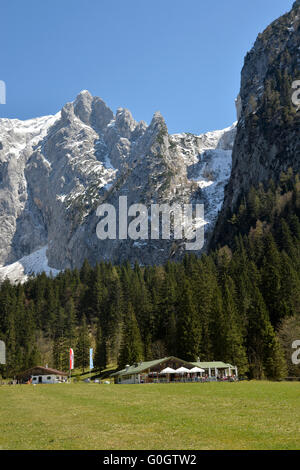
[
  {"x": 40, "y": 370},
  {"x": 213, "y": 364},
  {"x": 142, "y": 366}
]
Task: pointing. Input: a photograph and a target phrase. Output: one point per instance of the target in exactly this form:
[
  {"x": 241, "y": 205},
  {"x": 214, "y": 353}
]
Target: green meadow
[{"x": 245, "y": 415}]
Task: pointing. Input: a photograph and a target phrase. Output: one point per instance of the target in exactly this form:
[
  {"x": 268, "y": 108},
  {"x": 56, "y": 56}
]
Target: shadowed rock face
[
  {"x": 56, "y": 170},
  {"x": 268, "y": 138}
]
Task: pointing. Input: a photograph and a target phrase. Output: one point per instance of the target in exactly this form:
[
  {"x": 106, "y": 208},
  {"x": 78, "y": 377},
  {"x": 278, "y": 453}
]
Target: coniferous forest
[{"x": 239, "y": 303}]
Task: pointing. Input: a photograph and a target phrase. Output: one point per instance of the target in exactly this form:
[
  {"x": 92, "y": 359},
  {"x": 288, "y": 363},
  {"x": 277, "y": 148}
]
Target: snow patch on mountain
[
  {"x": 208, "y": 158},
  {"x": 22, "y": 134},
  {"x": 33, "y": 264}
]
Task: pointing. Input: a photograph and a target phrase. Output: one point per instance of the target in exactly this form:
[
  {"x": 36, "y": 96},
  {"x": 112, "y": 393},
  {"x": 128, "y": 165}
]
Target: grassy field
[{"x": 246, "y": 415}]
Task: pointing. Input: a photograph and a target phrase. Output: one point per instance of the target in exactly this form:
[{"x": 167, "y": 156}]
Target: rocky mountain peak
[
  {"x": 158, "y": 123},
  {"x": 296, "y": 4},
  {"x": 125, "y": 122},
  {"x": 102, "y": 115},
  {"x": 67, "y": 114},
  {"x": 83, "y": 106},
  {"x": 158, "y": 117}
]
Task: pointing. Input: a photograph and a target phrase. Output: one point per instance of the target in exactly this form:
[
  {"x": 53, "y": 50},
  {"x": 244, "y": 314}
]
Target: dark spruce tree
[
  {"x": 131, "y": 347},
  {"x": 82, "y": 350},
  {"x": 100, "y": 359},
  {"x": 189, "y": 328}
]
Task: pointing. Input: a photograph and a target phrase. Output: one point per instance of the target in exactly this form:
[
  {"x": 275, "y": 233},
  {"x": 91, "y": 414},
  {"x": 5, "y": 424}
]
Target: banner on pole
[
  {"x": 91, "y": 359},
  {"x": 71, "y": 359}
]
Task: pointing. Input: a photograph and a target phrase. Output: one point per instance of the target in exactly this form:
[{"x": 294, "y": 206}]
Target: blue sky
[{"x": 182, "y": 57}]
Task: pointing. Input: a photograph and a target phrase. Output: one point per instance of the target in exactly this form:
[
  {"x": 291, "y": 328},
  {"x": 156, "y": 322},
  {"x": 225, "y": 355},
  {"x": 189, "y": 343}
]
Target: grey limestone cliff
[
  {"x": 56, "y": 170},
  {"x": 268, "y": 138}
]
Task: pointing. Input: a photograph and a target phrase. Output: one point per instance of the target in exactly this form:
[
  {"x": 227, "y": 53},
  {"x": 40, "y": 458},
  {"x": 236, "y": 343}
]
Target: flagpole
[{"x": 71, "y": 364}]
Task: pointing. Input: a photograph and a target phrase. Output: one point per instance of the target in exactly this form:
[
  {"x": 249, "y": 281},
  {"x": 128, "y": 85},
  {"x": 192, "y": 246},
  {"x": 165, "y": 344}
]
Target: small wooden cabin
[{"x": 42, "y": 375}]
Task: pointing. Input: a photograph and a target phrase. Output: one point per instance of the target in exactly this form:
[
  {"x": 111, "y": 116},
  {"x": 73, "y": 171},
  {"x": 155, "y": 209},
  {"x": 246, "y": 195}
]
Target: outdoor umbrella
[
  {"x": 197, "y": 369},
  {"x": 168, "y": 370},
  {"x": 182, "y": 370}
]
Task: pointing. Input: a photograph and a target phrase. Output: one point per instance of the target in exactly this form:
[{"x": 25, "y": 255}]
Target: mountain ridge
[{"x": 55, "y": 171}]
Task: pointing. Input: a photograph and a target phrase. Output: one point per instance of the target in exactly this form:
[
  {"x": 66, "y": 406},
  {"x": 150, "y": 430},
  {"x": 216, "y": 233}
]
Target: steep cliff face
[
  {"x": 21, "y": 224},
  {"x": 56, "y": 170},
  {"x": 268, "y": 137}
]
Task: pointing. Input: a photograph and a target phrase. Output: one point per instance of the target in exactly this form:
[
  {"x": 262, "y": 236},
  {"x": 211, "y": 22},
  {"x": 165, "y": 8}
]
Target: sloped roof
[
  {"x": 40, "y": 370},
  {"x": 212, "y": 365},
  {"x": 135, "y": 369}
]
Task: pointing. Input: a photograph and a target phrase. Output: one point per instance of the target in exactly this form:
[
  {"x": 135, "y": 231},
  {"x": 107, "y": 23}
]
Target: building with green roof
[{"x": 150, "y": 371}]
